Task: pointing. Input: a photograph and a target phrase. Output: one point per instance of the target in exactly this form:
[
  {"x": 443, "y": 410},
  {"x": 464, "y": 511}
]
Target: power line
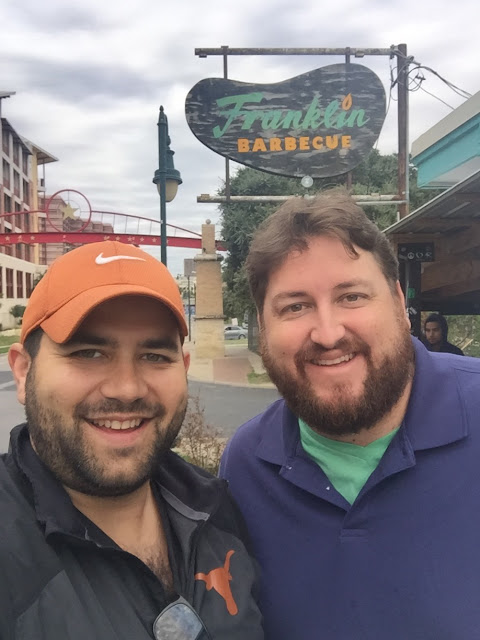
[{"x": 418, "y": 65}]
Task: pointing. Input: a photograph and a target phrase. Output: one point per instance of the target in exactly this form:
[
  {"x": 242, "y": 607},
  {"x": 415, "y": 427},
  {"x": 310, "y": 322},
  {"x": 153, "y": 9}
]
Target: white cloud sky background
[{"x": 89, "y": 78}]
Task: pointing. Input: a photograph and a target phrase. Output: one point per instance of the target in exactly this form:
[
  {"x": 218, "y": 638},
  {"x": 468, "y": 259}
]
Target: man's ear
[
  {"x": 186, "y": 360},
  {"x": 402, "y": 302},
  {"x": 20, "y": 363},
  {"x": 259, "y": 319}
]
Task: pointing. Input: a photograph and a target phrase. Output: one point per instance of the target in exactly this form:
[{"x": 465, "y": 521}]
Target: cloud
[
  {"x": 79, "y": 82},
  {"x": 90, "y": 77}
]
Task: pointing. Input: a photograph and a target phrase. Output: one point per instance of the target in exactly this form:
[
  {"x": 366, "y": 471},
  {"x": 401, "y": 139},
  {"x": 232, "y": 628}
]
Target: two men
[
  {"x": 360, "y": 487},
  {"x": 435, "y": 329},
  {"x": 106, "y": 534}
]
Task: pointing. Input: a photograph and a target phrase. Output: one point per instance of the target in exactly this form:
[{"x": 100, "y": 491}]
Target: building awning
[
  {"x": 43, "y": 157},
  {"x": 451, "y": 221}
]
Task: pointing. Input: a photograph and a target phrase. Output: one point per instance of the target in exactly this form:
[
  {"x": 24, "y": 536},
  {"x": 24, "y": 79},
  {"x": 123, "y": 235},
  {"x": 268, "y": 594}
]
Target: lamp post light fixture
[{"x": 167, "y": 179}]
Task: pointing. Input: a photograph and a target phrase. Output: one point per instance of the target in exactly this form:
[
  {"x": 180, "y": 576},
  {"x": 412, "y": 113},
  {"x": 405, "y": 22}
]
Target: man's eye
[
  {"x": 88, "y": 354},
  {"x": 155, "y": 357},
  {"x": 353, "y": 297},
  {"x": 296, "y": 307}
]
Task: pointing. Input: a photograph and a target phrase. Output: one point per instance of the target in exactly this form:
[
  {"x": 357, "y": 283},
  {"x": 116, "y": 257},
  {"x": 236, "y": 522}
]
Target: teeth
[
  {"x": 328, "y": 363},
  {"x": 118, "y": 425}
]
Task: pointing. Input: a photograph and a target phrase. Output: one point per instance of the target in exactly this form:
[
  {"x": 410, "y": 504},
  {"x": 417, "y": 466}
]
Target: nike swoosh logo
[{"x": 100, "y": 259}]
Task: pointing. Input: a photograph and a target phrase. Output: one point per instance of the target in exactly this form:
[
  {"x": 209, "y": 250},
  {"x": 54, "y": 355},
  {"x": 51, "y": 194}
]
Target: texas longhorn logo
[{"x": 219, "y": 579}]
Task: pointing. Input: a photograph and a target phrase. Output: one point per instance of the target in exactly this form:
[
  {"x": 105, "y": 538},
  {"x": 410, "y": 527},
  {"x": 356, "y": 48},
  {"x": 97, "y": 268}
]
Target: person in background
[
  {"x": 361, "y": 486},
  {"x": 106, "y": 534},
  {"x": 436, "y": 332}
]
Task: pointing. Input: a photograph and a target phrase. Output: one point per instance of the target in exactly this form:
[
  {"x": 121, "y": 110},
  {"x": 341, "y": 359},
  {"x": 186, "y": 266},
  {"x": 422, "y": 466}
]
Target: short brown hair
[{"x": 333, "y": 213}]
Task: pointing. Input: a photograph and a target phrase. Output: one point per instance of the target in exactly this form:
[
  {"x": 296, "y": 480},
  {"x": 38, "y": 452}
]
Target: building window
[
  {"x": 9, "y": 277},
  {"x": 6, "y": 141},
  {"x": 18, "y": 224},
  {"x": 29, "y": 284},
  {"x": 19, "y": 284},
  {"x": 16, "y": 183},
  {"x": 7, "y": 204},
  {"x": 16, "y": 153},
  {"x": 26, "y": 222},
  {"x": 25, "y": 162},
  {"x": 6, "y": 174},
  {"x": 26, "y": 192}
]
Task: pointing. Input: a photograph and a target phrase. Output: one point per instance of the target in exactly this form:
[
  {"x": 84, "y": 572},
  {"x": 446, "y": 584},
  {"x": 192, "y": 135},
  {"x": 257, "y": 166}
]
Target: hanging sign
[
  {"x": 416, "y": 252},
  {"x": 321, "y": 123}
]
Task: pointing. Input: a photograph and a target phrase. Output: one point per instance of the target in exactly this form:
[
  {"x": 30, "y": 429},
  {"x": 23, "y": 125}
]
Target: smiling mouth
[
  {"x": 329, "y": 363},
  {"x": 118, "y": 425}
]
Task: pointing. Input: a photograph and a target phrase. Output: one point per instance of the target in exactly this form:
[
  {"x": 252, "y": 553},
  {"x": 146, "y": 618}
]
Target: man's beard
[
  {"x": 344, "y": 414},
  {"x": 73, "y": 460}
]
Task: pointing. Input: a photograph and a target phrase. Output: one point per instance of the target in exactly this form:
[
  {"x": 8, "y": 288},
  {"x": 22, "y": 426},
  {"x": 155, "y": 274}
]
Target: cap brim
[{"x": 61, "y": 325}]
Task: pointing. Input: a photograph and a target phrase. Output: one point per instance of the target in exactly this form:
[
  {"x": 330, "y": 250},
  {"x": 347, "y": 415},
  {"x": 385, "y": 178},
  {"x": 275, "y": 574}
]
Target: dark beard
[
  {"x": 63, "y": 449},
  {"x": 383, "y": 387}
]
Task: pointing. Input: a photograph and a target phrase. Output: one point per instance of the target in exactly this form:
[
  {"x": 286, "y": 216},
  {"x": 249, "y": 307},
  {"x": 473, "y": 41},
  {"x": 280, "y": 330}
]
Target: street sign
[
  {"x": 189, "y": 267},
  {"x": 416, "y": 252}
]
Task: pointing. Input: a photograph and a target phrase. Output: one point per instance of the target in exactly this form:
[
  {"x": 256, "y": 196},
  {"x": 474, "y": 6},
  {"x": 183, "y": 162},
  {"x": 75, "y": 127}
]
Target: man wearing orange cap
[{"x": 106, "y": 533}]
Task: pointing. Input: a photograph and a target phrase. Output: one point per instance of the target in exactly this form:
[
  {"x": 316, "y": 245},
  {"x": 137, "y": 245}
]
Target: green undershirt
[{"x": 348, "y": 466}]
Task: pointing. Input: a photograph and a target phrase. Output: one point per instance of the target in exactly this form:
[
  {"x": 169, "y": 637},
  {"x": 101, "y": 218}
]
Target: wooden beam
[
  {"x": 438, "y": 275},
  {"x": 414, "y": 237},
  {"x": 461, "y": 240},
  {"x": 453, "y": 306},
  {"x": 445, "y": 224},
  {"x": 446, "y": 244},
  {"x": 459, "y": 289},
  {"x": 473, "y": 197}
]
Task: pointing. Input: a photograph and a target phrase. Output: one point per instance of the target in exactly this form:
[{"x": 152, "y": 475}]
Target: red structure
[{"x": 67, "y": 220}]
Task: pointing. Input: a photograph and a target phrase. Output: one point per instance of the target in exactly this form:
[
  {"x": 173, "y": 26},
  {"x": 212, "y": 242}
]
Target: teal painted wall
[{"x": 450, "y": 152}]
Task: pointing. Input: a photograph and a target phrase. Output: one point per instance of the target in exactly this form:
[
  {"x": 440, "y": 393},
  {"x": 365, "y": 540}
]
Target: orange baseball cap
[{"x": 80, "y": 280}]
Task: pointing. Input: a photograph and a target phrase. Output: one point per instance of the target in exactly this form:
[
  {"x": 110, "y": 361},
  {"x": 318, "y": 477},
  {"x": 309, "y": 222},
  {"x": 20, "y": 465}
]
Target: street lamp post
[{"x": 167, "y": 179}]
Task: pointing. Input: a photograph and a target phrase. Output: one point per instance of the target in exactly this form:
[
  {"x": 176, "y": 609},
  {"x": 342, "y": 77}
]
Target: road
[{"x": 226, "y": 407}]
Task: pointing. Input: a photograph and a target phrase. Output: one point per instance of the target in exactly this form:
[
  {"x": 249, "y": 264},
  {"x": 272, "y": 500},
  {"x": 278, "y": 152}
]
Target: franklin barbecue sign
[{"x": 321, "y": 123}]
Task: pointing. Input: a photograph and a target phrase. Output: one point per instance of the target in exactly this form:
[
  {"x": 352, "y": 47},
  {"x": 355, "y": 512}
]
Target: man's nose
[
  {"x": 124, "y": 382},
  {"x": 328, "y": 327}
]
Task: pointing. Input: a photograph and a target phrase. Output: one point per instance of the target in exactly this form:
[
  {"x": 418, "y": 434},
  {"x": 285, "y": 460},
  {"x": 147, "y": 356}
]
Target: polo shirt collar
[{"x": 435, "y": 415}]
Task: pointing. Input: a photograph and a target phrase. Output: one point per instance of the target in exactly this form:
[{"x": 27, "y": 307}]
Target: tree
[
  {"x": 376, "y": 174},
  {"x": 464, "y": 331}
]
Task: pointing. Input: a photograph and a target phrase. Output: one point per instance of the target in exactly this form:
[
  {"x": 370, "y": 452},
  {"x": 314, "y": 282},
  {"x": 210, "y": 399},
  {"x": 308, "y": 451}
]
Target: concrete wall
[{"x": 209, "y": 338}]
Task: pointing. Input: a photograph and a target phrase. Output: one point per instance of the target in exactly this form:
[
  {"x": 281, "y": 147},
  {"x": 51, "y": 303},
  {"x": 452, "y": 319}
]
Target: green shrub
[{"x": 17, "y": 312}]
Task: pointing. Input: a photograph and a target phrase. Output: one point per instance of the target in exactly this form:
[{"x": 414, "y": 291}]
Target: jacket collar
[
  {"x": 52, "y": 504},
  {"x": 188, "y": 490},
  {"x": 436, "y": 413}
]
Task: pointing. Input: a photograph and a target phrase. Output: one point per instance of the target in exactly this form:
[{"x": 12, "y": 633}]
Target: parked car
[{"x": 234, "y": 332}]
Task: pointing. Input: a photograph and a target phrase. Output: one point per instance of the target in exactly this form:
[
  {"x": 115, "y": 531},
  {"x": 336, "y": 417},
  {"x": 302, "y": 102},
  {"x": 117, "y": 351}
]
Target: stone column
[{"x": 209, "y": 339}]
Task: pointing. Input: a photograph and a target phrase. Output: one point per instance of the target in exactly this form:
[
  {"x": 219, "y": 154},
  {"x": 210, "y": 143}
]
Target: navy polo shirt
[{"x": 403, "y": 561}]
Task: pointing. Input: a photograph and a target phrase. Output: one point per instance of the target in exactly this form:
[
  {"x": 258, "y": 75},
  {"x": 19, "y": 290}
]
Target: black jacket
[{"x": 62, "y": 578}]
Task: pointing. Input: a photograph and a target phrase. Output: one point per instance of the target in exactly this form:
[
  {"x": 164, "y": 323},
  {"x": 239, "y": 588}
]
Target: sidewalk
[{"x": 232, "y": 369}]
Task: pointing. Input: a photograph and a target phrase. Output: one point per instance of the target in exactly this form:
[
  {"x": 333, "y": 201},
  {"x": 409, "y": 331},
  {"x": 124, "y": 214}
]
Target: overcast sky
[{"x": 89, "y": 78}]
